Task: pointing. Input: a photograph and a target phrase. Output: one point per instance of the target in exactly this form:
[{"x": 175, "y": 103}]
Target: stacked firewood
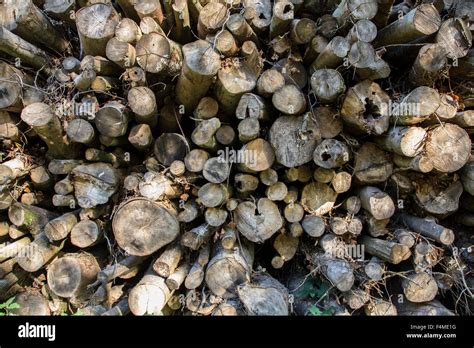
[{"x": 231, "y": 157}]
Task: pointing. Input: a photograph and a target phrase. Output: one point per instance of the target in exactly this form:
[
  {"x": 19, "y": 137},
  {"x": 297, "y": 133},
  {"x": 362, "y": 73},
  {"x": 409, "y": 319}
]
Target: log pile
[{"x": 237, "y": 157}]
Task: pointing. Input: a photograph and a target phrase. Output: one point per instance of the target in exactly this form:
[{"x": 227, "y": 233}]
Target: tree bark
[
  {"x": 112, "y": 119},
  {"x": 376, "y": 202},
  {"x": 211, "y": 18},
  {"x": 365, "y": 108},
  {"x": 363, "y": 30},
  {"x": 294, "y": 139},
  {"x": 62, "y": 10},
  {"x": 168, "y": 261},
  {"x": 454, "y": 35},
  {"x": 383, "y": 13},
  {"x": 355, "y": 10},
  {"x": 31, "y": 218},
  {"x": 444, "y": 141},
  {"x": 428, "y": 64},
  {"x": 233, "y": 80},
  {"x": 338, "y": 272},
  {"x": 26, "y": 20},
  {"x": 227, "y": 269},
  {"x": 404, "y": 141},
  {"x": 331, "y": 153},
  {"x": 128, "y": 31},
  {"x": 419, "y": 163},
  {"x": 128, "y": 9},
  {"x": 196, "y": 237},
  {"x": 60, "y": 227},
  {"x": 158, "y": 55},
  {"x": 170, "y": 147},
  {"x": 252, "y": 106},
  {"x": 149, "y": 296},
  {"x": 47, "y": 125},
  {"x": 17, "y": 47},
  {"x": 86, "y": 233},
  {"x": 69, "y": 275},
  {"x": 264, "y": 295},
  {"x": 37, "y": 254},
  {"x": 422, "y": 20},
  {"x": 419, "y": 287},
  {"x": 332, "y": 55},
  {"x": 176, "y": 279},
  {"x": 327, "y": 85},
  {"x": 80, "y": 131},
  {"x": 464, "y": 68},
  {"x": 120, "y": 269},
  {"x": 283, "y": 14},
  {"x": 94, "y": 183},
  {"x": 386, "y": 250},
  {"x": 200, "y": 65},
  {"x": 258, "y": 156},
  {"x": 429, "y": 228},
  {"x": 213, "y": 195},
  {"x": 150, "y": 234},
  {"x": 96, "y": 26},
  {"x": 269, "y": 82},
  {"x": 121, "y": 53},
  {"x": 196, "y": 274},
  {"x": 318, "y": 198},
  {"x": 258, "y": 222},
  {"x": 142, "y": 101},
  {"x": 152, "y": 9},
  {"x": 240, "y": 29}
]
